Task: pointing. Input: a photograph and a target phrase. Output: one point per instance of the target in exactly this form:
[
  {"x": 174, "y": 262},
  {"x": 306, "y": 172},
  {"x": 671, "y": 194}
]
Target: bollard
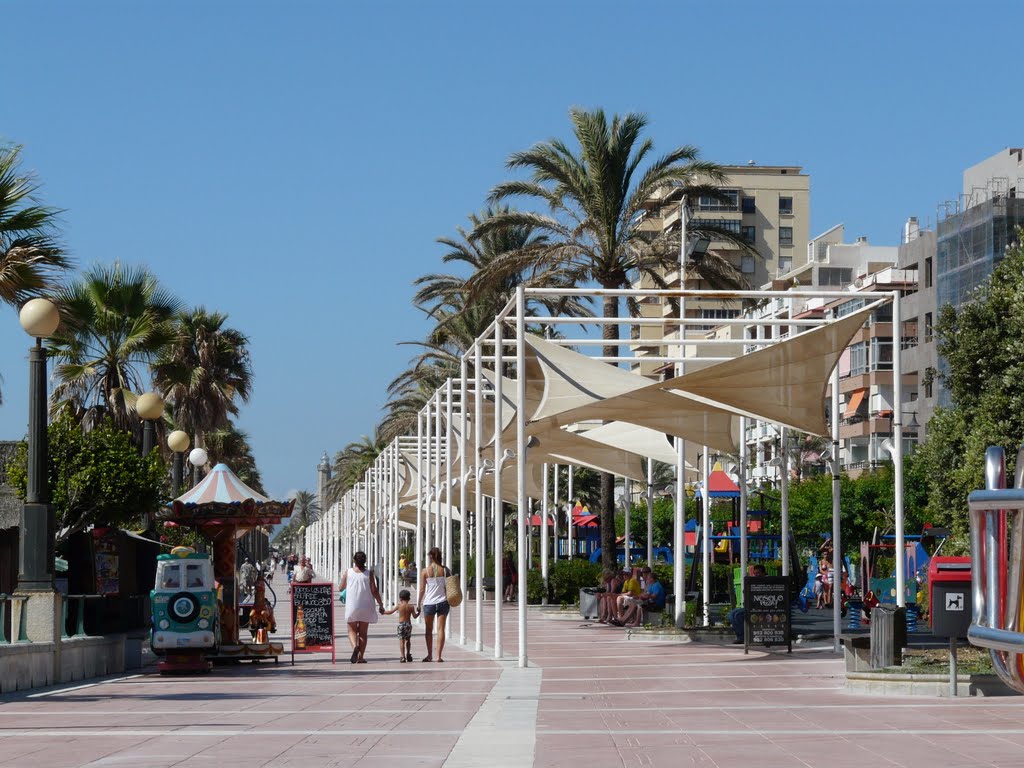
[
  {"x": 888, "y": 636},
  {"x": 3, "y": 618}
]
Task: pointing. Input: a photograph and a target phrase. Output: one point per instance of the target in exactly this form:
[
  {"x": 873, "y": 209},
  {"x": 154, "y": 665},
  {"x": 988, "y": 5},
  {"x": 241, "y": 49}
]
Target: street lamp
[
  {"x": 150, "y": 407},
  {"x": 197, "y": 458},
  {"x": 40, "y": 319},
  {"x": 178, "y": 441}
]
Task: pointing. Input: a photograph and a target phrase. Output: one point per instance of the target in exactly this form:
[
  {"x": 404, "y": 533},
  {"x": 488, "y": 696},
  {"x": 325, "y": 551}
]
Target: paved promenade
[{"x": 590, "y": 698}]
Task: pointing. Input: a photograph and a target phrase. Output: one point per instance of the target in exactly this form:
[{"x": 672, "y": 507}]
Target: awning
[{"x": 856, "y": 398}]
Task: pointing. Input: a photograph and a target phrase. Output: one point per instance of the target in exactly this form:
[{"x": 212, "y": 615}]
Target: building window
[
  {"x": 927, "y": 327},
  {"x": 928, "y": 387},
  {"x": 726, "y": 225},
  {"x": 748, "y": 233},
  {"x": 747, "y": 205},
  {"x": 785, "y": 235},
  {"x": 858, "y": 358},
  {"x": 835, "y": 276},
  {"x": 785, "y": 264},
  {"x": 729, "y": 201},
  {"x": 881, "y": 354},
  {"x": 747, "y": 264},
  {"x": 786, "y": 206},
  {"x": 928, "y": 272}
]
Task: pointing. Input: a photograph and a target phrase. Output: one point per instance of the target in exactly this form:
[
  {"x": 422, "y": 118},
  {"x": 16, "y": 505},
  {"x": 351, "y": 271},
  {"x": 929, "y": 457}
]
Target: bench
[
  {"x": 488, "y": 587},
  {"x": 857, "y": 651}
]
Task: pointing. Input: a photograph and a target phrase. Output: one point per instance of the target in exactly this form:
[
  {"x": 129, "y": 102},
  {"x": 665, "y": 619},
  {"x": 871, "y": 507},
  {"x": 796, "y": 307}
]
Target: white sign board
[{"x": 955, "y": 601}]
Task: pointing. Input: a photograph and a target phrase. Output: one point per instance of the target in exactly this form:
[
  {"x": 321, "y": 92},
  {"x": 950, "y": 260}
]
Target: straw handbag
[{"x": 453, "y": 592}]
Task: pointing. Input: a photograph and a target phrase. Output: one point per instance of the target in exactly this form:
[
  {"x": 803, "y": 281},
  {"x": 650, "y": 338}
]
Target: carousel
[{"x": 223, "y": 509}]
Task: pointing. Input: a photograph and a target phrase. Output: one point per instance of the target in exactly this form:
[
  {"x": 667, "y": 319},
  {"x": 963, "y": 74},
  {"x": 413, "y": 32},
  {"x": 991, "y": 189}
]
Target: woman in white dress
[
  {"x": 359, "y": 599},
  {"x": 433, "y": 601}
]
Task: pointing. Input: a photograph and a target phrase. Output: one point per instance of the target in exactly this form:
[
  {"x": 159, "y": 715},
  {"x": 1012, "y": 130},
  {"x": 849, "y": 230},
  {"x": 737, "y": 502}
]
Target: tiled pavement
[{"x": 590, "y": 699}]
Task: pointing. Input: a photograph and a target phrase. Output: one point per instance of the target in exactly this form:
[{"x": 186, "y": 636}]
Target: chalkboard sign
[
  {"x": 767, "y": 612},
  {"x": 312, "y": 618}
]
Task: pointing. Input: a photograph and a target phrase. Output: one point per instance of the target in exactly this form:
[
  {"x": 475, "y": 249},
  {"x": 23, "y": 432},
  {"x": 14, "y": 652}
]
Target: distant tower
[{"x": 323, "y": 476}]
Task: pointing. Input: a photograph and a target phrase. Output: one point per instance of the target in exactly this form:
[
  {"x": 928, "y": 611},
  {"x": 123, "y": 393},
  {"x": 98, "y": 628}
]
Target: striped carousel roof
[{"x": 221, "y": 486}]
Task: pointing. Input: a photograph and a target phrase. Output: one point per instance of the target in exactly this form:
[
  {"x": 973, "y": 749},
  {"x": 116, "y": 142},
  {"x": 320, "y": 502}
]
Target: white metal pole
[
  {"x": 499, "y": 521},
  {"x": 448, "y": 548},
  {"x": 679, "y": 518},
  {"x": 897, "y": 436},
  {"x": 706, "y": 534},
  {"x": 428, "y": 489},
  {"x": 463, "y": 513},
  {"x": 557, "y": 511},
  {"x": 741, "y": 471},
  {"x": 438, "y": 525},
  {"x": 626, "y": 490},
  {"x": 418, "y": 556},
  {"x": 837, "y": 616},
  {"x": 478, "y": 499},
  {"x": 784, "y": 492},
  {"x": 650, "y": 512},
  {"x": 544, "y": 508},
  {"x": 571, "y": 504},
  {"x": 521, "y": 464}
]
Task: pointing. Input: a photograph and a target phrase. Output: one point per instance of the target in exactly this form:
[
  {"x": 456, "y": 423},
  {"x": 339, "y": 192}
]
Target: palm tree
[
  {"x": 114, "y": 321},
  {"x": 595, "y": 203},
  {"x": 204, "y": 372},
  {"x": 307, "y": 509},
  {"x": 31, "y": 257},
  {"x": 352, "y": 461},
  {"x": 230, "y": 445}
]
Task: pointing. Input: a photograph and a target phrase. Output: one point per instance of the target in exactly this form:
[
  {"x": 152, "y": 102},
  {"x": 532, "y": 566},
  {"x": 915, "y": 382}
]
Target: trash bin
[
  {"x": 949, "y": 590},
  {"x": 888, "y": 636},
  {"x": 133, "y": 651},
  {"x": 589, "y": 602}
]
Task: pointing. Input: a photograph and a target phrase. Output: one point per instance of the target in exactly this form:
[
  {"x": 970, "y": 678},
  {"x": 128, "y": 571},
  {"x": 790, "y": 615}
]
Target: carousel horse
[{"x": 261, "y": 617}]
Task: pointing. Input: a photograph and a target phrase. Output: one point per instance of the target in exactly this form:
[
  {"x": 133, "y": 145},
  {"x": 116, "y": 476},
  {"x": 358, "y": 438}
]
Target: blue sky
[{"x": 291, "y": 164}]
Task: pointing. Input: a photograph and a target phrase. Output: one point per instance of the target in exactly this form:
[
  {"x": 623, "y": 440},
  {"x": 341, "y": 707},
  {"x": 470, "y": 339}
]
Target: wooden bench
[{"x": 488, "y": 587}]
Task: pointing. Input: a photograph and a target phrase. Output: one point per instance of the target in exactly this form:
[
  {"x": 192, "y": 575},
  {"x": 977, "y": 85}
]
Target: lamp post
[
  {"x": 40, "y": 319},
  {"x": 150, "y": 407},
  {"x": 178, "y": 442},
  {"x": 197, "y": 458}
]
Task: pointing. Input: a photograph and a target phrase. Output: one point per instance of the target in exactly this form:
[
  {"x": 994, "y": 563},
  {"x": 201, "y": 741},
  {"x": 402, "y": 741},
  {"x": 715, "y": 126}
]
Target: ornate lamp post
[
  {"x": 40, "y": 319},
  {"x": 178, "y": 441}
]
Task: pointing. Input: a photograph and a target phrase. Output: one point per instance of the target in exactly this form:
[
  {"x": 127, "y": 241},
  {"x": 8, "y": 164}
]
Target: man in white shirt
[{"x": 303, "y": 573}]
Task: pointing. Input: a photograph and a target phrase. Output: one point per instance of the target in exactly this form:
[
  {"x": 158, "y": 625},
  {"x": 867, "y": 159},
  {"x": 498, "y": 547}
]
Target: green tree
[
  {"x": 97, "y": 477},
  {"x": 31, "y": 256},
  {"x": 982, "y": 343},
  {"x": 592, "y": 229},
  {"x": 204, "y": 372},
  {"x": 115, "y": 321}
]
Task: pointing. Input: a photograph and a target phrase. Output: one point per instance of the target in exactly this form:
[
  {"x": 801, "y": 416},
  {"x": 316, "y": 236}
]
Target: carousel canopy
[{"x": 221, "y": 498}]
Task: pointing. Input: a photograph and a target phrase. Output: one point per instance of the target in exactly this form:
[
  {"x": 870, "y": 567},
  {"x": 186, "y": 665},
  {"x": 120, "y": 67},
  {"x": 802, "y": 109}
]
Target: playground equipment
[{"x": 997, "y": 573}]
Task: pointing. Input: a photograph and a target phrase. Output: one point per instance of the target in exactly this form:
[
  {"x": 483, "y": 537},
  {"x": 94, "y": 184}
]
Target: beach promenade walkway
[{"x": 589, "y": 698}]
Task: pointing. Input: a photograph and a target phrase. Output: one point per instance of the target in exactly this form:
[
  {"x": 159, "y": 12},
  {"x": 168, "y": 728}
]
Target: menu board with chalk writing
[{"x": 312, "y": 618}]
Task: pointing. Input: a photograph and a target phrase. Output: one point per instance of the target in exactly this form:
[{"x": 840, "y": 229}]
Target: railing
[
  {"x": 8, "y": 605},
  {"x": 79, "y": 623}
]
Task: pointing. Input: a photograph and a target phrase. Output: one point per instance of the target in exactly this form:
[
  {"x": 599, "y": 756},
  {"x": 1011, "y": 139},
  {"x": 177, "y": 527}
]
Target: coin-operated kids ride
[{"x": 186, "y": 614}]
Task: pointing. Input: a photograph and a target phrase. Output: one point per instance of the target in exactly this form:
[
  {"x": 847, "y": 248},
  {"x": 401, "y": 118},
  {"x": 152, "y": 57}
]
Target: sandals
[
  {"x": 355, "y": 655},
  {"x": 428, "y": 658},
  {"x": 408, "y": 657},
  {"x": 361, "y": 661},
  {"x": 440, "y": 661},
  {"x": 402, "y": 659}
]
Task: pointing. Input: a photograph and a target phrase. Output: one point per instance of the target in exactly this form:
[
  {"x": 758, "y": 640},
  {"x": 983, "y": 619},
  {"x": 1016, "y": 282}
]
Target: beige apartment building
[{"x": 767, "y": 205}]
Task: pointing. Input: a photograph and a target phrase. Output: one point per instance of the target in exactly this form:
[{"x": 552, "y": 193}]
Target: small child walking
[{"x": 406, "y": 613}]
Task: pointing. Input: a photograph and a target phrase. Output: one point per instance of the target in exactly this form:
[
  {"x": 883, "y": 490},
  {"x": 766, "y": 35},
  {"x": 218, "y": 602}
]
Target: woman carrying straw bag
[{"x": 433, "y": 601}]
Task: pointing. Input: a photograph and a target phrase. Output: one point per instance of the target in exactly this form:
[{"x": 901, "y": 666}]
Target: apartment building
[{"x": 768, "y": 206}]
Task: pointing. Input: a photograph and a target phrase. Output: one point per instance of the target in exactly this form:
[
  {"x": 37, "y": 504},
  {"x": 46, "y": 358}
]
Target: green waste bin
[{"x": 737, "y": 585}]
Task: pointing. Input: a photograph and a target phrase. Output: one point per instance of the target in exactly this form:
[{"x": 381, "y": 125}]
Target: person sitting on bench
[
  {"x": 653, "y": 597},
  {"x": 612, "y": 583}
]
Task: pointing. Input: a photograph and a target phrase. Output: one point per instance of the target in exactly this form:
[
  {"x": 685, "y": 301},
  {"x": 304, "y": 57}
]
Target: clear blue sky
[{"x": 292, "y": 163}]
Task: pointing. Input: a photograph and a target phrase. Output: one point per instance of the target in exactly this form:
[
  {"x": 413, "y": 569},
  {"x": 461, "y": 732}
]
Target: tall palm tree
[
  {"x": 204, "y": 372},
  {"x": 115, "y": 320},
  {"x": 352, "y": 461},
  {"x": 595, "y": 203},
  {"x": 31, "y": 257},
  {"x": 230, "y": 445},
  {"x": 307, "y": 509}
]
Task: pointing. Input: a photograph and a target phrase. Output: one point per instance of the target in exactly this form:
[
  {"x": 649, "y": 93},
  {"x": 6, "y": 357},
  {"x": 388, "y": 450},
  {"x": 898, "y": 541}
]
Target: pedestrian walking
[
  {"x": 360, "y": 594},
  {"x": 406, "y": 613},
  {"x": 433, "y": 601}
]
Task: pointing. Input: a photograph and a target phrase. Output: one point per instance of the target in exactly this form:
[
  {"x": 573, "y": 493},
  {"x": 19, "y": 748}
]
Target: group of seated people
[{"x": 625, "y": 596}]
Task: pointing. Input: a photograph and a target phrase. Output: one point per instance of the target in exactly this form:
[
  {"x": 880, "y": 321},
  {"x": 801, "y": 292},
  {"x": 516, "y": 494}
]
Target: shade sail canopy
[{"x": 785, "y": 383}]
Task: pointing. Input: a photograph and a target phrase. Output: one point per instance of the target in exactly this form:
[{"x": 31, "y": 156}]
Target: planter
[{"x": 900, "y": 684}]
